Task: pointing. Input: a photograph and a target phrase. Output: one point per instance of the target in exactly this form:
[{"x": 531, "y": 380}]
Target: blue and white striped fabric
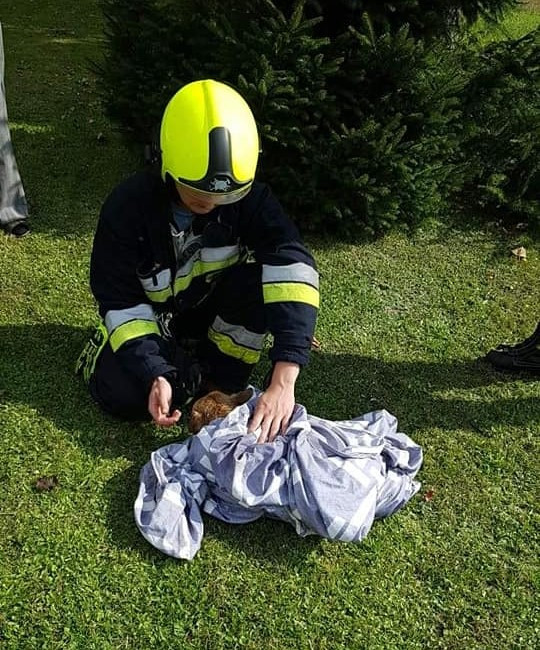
[{"x": 323, "y": 477}]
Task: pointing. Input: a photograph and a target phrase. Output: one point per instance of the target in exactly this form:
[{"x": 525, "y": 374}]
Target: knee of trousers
[
  {"x": 116, "y": 391},
  {"x": 236, "y": 333},
  {"x": 239, "y": 297}
]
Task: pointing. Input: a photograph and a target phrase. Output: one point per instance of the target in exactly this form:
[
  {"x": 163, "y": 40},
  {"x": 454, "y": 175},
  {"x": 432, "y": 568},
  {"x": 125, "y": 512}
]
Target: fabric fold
[{"x": 323, "y": 477}]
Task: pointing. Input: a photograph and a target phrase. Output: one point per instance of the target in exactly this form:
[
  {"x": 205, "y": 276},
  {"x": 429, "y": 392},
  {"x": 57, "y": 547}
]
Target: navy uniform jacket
[{"x": 135, "y": 276}]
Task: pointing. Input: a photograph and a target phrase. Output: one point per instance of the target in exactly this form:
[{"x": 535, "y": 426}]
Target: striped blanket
[{"x": 323, "y": 477}]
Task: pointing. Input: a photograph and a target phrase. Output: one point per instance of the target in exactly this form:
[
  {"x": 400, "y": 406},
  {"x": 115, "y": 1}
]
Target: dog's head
[{"x": 215, "y": 405}]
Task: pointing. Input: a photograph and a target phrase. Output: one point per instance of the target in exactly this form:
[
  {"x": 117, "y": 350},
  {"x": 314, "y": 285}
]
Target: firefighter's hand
[
  {"x": 159, "y": 403},
  {"x": 275, "y": 406}
]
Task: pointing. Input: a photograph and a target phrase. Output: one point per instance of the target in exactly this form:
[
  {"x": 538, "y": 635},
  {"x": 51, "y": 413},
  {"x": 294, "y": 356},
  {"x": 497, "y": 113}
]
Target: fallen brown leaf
[
  {"x": 46, "y": 483},
  {"x": 428, "y": 496}
]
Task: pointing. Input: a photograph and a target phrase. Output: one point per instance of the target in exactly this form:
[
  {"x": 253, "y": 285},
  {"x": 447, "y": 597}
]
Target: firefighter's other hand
[
  {"x": 275, "y": 406},
  {"x": 159, "y": 403}
]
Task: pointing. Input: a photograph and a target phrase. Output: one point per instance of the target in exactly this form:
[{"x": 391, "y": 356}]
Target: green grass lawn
[
  {"x": 402, "y": 323},
  {"x": 519, "y": 22}
]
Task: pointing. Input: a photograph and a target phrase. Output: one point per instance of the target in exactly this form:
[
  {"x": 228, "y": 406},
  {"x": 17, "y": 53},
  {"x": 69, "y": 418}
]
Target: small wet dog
[{"x": 215, "y": 405}]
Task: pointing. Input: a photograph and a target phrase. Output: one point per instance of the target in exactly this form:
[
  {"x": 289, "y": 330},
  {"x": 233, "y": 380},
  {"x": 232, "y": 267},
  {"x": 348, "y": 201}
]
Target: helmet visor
[{"x": 217, "y": 198}]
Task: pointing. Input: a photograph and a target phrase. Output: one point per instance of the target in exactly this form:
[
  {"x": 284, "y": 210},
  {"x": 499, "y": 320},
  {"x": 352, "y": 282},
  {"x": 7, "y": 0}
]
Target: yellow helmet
[{"x": 209, "y": 140}]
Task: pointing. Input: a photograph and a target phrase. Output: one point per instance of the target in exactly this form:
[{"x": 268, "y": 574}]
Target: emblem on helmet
[{"x": 220, "y": 185}]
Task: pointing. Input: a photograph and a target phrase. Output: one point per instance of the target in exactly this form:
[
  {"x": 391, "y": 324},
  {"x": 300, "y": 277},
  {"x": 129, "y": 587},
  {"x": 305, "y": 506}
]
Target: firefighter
[{"x": 192, "y": 266}]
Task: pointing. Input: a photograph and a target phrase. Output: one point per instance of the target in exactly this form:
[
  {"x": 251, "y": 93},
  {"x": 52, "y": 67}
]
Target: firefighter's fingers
[
  {"x": 164, "y": 402},
  {"x": 161, "y": 416},
  {"x": 159, "y": 403},
  {"x": 274, "y": 429},
  {"x": 257, "y": 417},
  {"x": 261, "y": 425},
  {"x": 168, "y": 420},
  {"x": 264, "y": 431}
]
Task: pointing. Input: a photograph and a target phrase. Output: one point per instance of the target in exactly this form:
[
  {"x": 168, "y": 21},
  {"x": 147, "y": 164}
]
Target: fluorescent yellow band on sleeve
[
  {"x": 201, "y": 268},
  {"x": 161, "y": 295},
  {"x": 132, "y": 330},
  {"x": 232, "y": 349},
  {"x": 290, "y": 292}
]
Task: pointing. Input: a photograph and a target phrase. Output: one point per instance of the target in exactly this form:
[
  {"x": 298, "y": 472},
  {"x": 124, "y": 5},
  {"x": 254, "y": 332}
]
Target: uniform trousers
[{"x": 226, "y": 330}]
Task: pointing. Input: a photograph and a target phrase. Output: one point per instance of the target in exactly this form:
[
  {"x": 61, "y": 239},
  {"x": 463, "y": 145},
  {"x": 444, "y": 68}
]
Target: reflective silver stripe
[
  {"x": 157, "y": 282},
  {"x": 187, "y": 268},
  {"x": 297, "y": 272},
  {"x": 206, "y": 260},
  {"x": 220, "y": 253},
  {"x": 239, "y": 334},
  {"x": 116, "y": 317}
]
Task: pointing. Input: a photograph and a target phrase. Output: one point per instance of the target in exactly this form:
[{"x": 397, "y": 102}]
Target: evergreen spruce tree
[
  {"x": 427, "y": 19},
  {"x": 361, "y": 127},
  {"x": 501, "y": 118}
]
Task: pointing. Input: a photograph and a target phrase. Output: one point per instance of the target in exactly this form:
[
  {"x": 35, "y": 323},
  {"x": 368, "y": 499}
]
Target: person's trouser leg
[
  {"x": 236, "y": 331},
  {"x": 230, "y": 327},
  {"x": 13, "y": 207},
  {"x": 116, "y": 391}
]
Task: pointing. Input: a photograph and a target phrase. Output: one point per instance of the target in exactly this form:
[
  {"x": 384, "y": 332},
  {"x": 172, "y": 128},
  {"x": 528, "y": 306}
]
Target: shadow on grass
[
  {"x": 68, "y": 201},
  {"x": 69, "y": 154},
  {"x": 453, "y": 395},
  {"x": 36, "y": 366},
  {"x": 37, "y": 370}
]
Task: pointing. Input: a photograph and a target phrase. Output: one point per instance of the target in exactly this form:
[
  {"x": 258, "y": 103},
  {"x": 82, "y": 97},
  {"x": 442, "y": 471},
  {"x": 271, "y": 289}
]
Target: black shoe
[
  {"x": 524, "y": 356},
  {"x": 533, "y": 339},
  {"x": 19, "y": 229}
]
